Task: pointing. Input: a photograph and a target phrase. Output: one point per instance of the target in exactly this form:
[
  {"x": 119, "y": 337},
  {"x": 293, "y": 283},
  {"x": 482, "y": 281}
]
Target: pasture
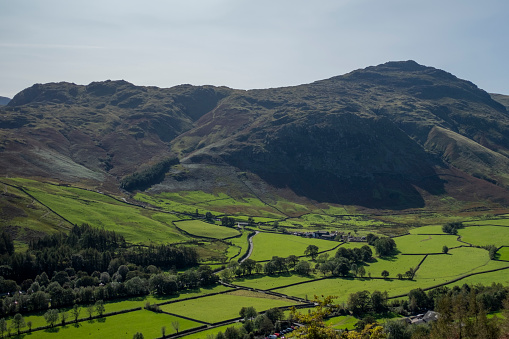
[
  {"x": 503, "y": 253},
  {"x": 213, "y": 331},
  {"x": 267, "y": 245},
  {"x": 485, "y": 235},
  {"x": 430, "y": 229},
  {"x": 423, "y": 244},
  {"x": 394, "y": 264},
  {"x": 343, "y": 287},
  {"x": 267, "y": 282},
  {"x": 456, "y": 263},
  {"x": 119, "y": 326},
  {"x": 202, "y": 229},
  {"x": 225, "y": 306},
  {"x": 79, "y": 206}
]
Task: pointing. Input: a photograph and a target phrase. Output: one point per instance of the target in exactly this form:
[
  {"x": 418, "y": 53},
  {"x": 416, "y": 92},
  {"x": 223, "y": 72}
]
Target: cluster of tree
[
  {"x": 491, "y": 297},
  {"x": 462, "y": 313},
  {"x": 6, "y": 244},
  {"x": 492, "y": 250},
  {"x": 363, "y": 302},
  {"x": 68, "y": 287},
  {"x": 452, "y": 227},
  {"x": 254, "y": 324},
  {"x": 52, "y": 317},
  {"x": 274, "y": 266},
  {"x": 148, "y": 177},
  {"x": 227, "y": 221},
  {"x": 345, "y": 261},
  {"x": 89, "y": 249},
  {"x": 383, "y": 245}
]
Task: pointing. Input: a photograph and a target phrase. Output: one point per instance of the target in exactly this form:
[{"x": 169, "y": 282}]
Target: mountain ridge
[{"x": 378, "y": 136}]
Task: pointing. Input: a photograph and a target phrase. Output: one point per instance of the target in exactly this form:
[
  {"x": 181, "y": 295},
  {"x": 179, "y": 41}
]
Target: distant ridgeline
[
  {"x": 4, "y": 101},
  {"x": 148, "y": 177}
]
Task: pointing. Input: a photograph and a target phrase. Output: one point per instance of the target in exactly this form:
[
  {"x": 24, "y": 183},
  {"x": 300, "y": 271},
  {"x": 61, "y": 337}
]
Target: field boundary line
[
  {"x": 198, "y": 296},
  {"x": 452, "y": 281},
  {"x": 184, "y": 317},
  {"x": 22, "y": 189}
]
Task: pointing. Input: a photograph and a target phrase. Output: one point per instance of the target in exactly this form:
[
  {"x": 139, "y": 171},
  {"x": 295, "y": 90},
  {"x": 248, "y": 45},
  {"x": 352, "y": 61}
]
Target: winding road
[{"x": 250, "y": 239}]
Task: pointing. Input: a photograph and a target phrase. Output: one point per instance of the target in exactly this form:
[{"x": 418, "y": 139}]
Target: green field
[
  {"x": 394, "y": 264},
  {"x": 344, "y": 322},
  {"x": 486, "y": 279},
  {"x": 137, "y": 225},
  {"x": 241, "y": 242},
  {"x": 190, "y": 201},
  {"x": 431, "y": 229},
  {"x": 202, "y": 229},
  {"x": 423, "y": 244},
  {"x": 267, "y": 245},
  {"x": 225, "y": 306},
  {"x": 489, "y": 222},
  {"x": 37, "y": 319},
  {"x": 458, "y": 262},
  {"x": 485, "y": 235},
  {"x": 503, "y": 253},
  {"x": 213, "y": 331},
  {"x": 266, "y": 282},
  {"x": 119, "y": 326},
  {"x": 342, "y": 287}
]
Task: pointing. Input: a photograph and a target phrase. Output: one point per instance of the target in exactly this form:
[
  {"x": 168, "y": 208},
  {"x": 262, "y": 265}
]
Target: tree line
[
  {"x": 90, "y": 264},
  {"x": 148, "y": 177}
]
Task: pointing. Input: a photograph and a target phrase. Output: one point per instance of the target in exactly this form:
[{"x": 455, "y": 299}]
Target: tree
[
  {"x": 292, "y": 260},
  {"x": 361, "y": 271},
  {"x": 63, "y": 317},
  {"x": 303, "y": 267},
  {"x": 18, "y": 322},
  {"x": 445, "y": 249},
  {"x": 263, "y": 324},
  {"x": 378, "y": 301},
  {"x": 75, "y": 312},
  {"x": 315, "y": 327},
  {"x": 209, "y": 216},
  {"x": 99, "y": 307},
  {"x": 248, "y": 266},
  {"x": 311, "y": 251},
  {"x": 163, "y": 331},
  {"x": 385, "y": 274},
  {"x": 410, "y": 273},
  {"x": 250, "y": 313},
  {"x": 29, "y": 324},
  {"x": 359, "y": 302},
  {"x": 3, "y": 326},
  {"x": 384, "y": 246},
  {"x": 275, "y": 314},
  {"x": 176, "y": 325},
  {"x": 138, "y": 335},
  {"x": 51, "y": 317},
  {"x": 90, "y": 311}
]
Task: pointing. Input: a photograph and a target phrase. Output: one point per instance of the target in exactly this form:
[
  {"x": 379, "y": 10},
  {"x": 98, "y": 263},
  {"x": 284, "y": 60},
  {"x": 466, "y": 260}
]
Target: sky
[{"x": 246, "y": 44}]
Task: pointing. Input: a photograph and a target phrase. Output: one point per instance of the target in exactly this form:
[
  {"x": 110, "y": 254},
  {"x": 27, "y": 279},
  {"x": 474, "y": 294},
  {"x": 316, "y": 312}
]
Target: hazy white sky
[{"x": 246, "y": 44}]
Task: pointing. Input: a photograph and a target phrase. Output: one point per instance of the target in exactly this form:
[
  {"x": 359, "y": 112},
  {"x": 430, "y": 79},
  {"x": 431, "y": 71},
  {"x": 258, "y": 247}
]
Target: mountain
[
  {"x": 396, "y": 135},
  {"x": 4, "y": 101}
]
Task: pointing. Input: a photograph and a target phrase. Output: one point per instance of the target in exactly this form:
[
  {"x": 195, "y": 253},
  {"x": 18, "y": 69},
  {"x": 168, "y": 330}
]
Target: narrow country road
[{"x": 250, "y": 239}]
